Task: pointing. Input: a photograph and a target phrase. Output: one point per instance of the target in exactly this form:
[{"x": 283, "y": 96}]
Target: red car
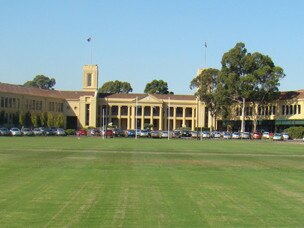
[
  {"x": 81, "y": 132},
  {"x": 107, "y": 133},
  {"x": 256, "y": 135}
]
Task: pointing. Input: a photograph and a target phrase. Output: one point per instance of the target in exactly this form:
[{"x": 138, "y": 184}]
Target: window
[
  {"x": 295, "y": 109},
  {"x": 89, "y": 79},
  {"x": 291, "y": 109},
  {"x": 287, "y": 110},
  {"x": 273, "y": 110},
  {"x": 299, "y": 109},
  {"x": 283, "y": 110}
]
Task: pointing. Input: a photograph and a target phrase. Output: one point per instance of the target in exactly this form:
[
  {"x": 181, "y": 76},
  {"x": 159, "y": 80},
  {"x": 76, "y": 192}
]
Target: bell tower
[{"x": 90, "y": 78}]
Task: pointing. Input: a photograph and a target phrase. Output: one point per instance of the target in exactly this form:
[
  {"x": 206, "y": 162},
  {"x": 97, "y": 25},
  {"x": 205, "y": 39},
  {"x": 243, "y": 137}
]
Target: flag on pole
[
  {"x": 205, "y": 44},
  {"x": 89, "y": 39}
]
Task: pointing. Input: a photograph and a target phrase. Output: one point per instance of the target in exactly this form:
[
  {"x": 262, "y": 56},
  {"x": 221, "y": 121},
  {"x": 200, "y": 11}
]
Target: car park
[
  {"x": 27, "y": 132},
  {"x": 4, "y": 131},
  {"x": 277, "y": 137},
  {"x": 245, "y": 135},
  {"x": 236, "y": 135},
  {"x": 15, "y": 131},
  {"x": 226, "y": 135},
  {"x": 256, "y": 135}
]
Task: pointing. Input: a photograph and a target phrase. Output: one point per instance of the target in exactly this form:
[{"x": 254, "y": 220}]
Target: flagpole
[
  {"x": 91, "y": 52},
  {"x": 136, "y": 118},
  {"x": 205, "y": 55},
  {"x": 169, "y": 119}
]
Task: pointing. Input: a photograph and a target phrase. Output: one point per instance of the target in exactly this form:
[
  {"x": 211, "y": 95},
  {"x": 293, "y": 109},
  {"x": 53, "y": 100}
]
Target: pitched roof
[
  {"x": 32, "y": 91},
  {"x": 288, "y": 95}
]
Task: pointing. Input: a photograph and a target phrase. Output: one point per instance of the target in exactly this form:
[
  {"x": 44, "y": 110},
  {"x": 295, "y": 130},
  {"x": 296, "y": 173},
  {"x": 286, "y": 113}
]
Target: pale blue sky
[{"x": 138, "y": 41}]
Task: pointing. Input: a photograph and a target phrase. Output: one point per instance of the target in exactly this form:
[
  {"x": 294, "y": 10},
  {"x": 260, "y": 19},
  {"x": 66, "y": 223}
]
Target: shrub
[
  {"x": 295, "y": 132},
  {"x": 70, "y": 131}
]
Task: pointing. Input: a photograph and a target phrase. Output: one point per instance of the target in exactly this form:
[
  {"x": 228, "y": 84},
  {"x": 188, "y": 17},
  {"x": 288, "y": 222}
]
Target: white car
[
  {"x": 245, "y": 135},
  {"x": 236, "y": 135},
  {"x": 206, "y": 134},
  {"x": 15, "y": 131},
  {"x": 277, "y": 137},
  {"x": 265, "y": 135},
  {"x": 216, "y": 134},
  {"x": 285, "y": 136},
  {"x": 226, "y": 135}
]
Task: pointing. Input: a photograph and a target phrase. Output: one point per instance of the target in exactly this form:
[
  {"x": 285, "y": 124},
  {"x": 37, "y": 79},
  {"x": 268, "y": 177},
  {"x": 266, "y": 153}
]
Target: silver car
[{"x": 15, "y": 131}]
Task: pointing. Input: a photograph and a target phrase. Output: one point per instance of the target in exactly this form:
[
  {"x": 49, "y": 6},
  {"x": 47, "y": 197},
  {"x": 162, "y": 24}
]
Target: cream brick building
[{"x": 89, "y": 108}]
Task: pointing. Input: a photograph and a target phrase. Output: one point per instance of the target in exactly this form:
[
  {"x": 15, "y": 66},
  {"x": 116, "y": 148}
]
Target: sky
[{"x": 139, "y": 41}]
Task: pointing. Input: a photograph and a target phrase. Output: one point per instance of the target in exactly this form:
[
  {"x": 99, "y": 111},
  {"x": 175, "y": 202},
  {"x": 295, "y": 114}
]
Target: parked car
[
  {"x": 226, "y": 135},
  {"x": 60, "y": 132},
  {"x": 186, "y": 134},
  {"x": 236, "y": 135},
  {"x": 176, "y": 134},
  {"x": 245, "y": 135},
  {"x": 256, "y": 135},
  {"x": 107, "y": 133},
  {"x": 15, "y": 131},
  {"x": 266, "y": 135},
  {"x": 38, "y": 131},
  {"x": 81, "y": 132},
  {"x": 216, "y": 134},
  {"x": 194, "y": 134},
  {"x": 155, "y": 134},
  {"x": 27, "y": 132},
  {"x": 277, "y": 137},
  {"x": 4, "y": 131},
  {"x": 285, "y": 136},
  {"x": 130, "y": 133},
  {"x": 49, "y": 132},
  {"x": 206, "y": 134},
  {"x": 144, "y": 133},
  {"x": 118, "y": 132},
  {"x": 95, "y": 132}
]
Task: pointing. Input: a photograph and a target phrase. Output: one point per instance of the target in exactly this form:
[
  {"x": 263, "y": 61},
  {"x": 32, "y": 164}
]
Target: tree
[
  {"x": 44, "y": 118},
  {"x": 157, "y": 87},
  {"x": 247, "y": 76},
  {"x": 25, "y": 119},
  {"x": 42, "y": 82},
  {"x": 59, "y": 120},
  {"x": 50, "y": 119},
  {"x": 206, "y": 84},
  {"x": 35, "y": 118},
  {"x": 116, "y": 87}
]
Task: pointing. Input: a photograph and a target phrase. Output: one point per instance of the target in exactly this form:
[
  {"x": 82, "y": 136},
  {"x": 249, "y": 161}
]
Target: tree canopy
[
  {"x": 157, "y": 87},
  {"x": 206, "y": 90},
  {"x": 42, "y": 82},
  {"x": 116, "y": 87},
  {"x": 247, "y": 76}
]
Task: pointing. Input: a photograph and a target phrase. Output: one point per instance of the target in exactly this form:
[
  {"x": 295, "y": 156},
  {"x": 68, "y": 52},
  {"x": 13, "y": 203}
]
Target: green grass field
[{"x": 91, "y": 182}]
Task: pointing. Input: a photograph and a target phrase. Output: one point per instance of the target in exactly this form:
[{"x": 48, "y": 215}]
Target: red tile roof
[{"x": 32, "y": 91}]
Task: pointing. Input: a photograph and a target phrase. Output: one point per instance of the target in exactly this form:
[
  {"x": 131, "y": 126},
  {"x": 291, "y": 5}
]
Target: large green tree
[
  {"x": 116, "y": 87},
  {"x": 206, "y": 90},
  {"x": 157, "y": 87},
  {"x": 245, "y": 76},
  {"x": 42, "y": 82}
]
